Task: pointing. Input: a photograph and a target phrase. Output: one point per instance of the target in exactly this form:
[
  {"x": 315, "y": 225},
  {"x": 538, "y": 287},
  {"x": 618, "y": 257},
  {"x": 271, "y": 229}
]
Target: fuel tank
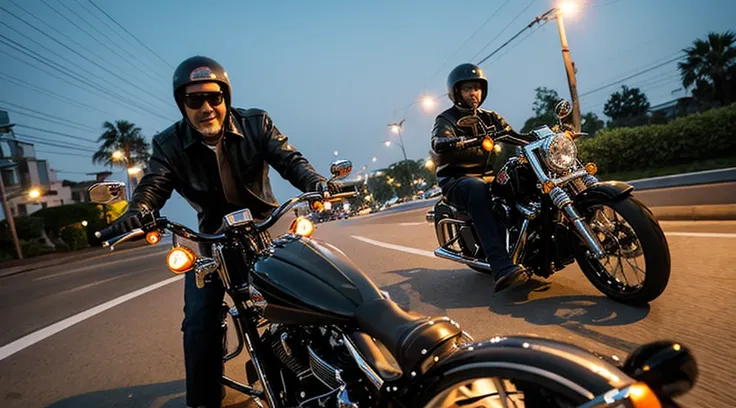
[{"x": 307, "y": 281}]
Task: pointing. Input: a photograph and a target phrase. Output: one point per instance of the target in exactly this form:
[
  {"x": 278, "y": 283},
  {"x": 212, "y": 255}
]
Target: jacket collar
[{"x": 191, "y": 136}]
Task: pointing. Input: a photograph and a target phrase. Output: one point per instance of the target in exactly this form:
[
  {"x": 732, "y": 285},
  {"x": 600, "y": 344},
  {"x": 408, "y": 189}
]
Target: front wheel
[
  {"x": 633, "y": 240},
  {"x": 504, "y": 387}
]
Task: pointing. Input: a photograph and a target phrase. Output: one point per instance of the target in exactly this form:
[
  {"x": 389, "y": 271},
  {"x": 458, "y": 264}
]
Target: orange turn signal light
[
  {"x": 547, "y": 186},
  {"x": 180, "y": 259},
  {"x": 318, "y": 206},
  {"x": 642, "y": 396},
  {"x": 153, "y": 237},
  {"x": 487, "y": 143},
  {"x": 302, "y": 226},
  {"x": 591, "y": 168}
]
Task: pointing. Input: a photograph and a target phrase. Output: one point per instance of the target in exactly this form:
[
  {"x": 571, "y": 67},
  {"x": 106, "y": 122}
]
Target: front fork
[{"x": 563, "y": 201}]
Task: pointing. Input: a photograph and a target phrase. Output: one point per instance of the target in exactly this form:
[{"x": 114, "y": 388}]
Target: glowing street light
[
  {"x": 568, "y": 8},
  {"x": 34, "y": 193},
  {"x": 118, "y": 155},
  {"x": 387, "y": 143},
  {"x": 395, "y": 129},
  {"x": 134, "y": 170},
  {"x": 374, "y": 159},
  {"x": 428, "y": 103},
  {"x": 85, "y": 223},
  {"x": 335, "y": 153}
]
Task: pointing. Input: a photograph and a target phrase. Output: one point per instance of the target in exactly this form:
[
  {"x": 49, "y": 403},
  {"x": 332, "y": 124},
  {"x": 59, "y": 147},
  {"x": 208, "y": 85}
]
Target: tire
[
  {"x": 652, "y": 243},
  {"x": 538, "y": 390}
]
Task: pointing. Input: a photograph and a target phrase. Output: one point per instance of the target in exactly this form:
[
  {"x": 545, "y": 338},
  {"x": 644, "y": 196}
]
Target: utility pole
[
  {"x": 570, "y": 69},
  {"x": 9, "y": 215}
]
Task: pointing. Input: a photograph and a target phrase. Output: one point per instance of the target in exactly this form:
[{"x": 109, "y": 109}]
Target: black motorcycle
[
  {"x": 320, "y": 333},
  {"x": 556, "y": 212}
]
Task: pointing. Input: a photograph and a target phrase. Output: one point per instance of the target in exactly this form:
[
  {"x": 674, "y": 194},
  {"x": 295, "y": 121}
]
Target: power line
[
  {"x": 60, "y": 56},
  {"x": 85, "y": 57},
  {"x": 631, "y": 76},
  {"x": 64, "y": 154},
  {"x": 82, "y": 125},
  {"x": 58, "y": 133},
  {"x": 508, "y": 41},
  {"x": 39, "y": 117},
  {"x": 157, "y": 81},
  {"x": 89, "y": 85},
  {"x": 80, "y": 46},
  {"x": 38, "y": 140},
  {"x": 505, "y": 28},
  {"x": 469, "y": 38},
  {"x": 20, "y": 82},
  {"x": 518, "y": 43},
  {"x": 130, "y": 34}
]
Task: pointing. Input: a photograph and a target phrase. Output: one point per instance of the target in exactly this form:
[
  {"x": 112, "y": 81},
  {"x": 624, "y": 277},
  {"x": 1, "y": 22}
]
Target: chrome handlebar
[{"x": 181, "y": 230}]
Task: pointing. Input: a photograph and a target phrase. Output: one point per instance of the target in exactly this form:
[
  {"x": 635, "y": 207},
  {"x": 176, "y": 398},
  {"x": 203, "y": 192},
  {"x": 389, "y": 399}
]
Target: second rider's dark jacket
[
  {"x": 452, "y": 163},
  {"x": 182, "y": 162}
]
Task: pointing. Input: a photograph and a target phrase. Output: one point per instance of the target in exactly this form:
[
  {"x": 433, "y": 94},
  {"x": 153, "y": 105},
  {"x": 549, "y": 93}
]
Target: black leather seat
[{"x": 409, "y": 336}]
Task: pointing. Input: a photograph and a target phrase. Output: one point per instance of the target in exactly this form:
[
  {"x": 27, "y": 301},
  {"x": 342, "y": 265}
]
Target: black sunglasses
[{"x": 196, "y": 100}]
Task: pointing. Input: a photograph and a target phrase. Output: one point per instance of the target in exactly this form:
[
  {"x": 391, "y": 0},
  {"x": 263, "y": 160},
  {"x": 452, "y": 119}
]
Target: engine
[{"x": 315, "y": 362}]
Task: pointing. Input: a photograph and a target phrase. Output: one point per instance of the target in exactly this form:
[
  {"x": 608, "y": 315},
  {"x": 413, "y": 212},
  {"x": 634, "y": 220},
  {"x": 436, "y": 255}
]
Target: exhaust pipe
[{"x": 446, "y": 254}]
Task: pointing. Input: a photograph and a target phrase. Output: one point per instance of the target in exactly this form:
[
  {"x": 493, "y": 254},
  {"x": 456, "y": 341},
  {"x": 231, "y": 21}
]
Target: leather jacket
[
  {"x": 470, "y": 162},
  {"x": 181, "y": 162}
]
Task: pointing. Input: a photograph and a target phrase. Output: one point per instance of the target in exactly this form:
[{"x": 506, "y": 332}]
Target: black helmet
[
  {"x": 461, "y": 73},
  {"x": 199, "y": 69}
]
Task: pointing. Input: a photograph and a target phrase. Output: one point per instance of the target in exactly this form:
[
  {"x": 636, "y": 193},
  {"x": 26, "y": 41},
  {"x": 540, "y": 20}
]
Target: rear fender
[
  {"x": 603, "y": 192},
  {"x": 570, "y": 366}
]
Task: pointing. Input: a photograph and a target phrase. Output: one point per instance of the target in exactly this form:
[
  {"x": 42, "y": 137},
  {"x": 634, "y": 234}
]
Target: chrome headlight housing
[{"x": 560, "y": 152}]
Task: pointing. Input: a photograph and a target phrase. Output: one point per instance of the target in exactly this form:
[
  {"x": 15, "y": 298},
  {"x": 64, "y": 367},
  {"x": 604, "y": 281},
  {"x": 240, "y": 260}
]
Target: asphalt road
[{"x": 130, "y": 354}]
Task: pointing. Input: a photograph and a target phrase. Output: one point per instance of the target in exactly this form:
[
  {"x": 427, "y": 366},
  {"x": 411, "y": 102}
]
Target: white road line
[
  {"x": 99, "y": 266},
  {"x": 701, "y": 234},
  {"x": 409, "y": 224},
  {"x": 414, "y": 251},
  {"x": 33, "y": 338}
]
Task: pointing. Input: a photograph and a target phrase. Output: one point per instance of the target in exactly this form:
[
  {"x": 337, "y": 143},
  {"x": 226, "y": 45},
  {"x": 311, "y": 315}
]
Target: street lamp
[
  {"x": 335, "y": 153},
  {"x": 34, "y": 193},
  {"x": 429, "y": 103},
  {"x": 567, "y": 7}
]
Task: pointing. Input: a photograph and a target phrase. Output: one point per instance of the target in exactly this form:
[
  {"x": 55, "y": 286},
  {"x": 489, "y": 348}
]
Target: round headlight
[{"x": 560, "y": 152}]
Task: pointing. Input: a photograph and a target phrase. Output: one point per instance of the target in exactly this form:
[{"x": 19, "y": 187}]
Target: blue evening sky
[{"x": 332, "y": 74}]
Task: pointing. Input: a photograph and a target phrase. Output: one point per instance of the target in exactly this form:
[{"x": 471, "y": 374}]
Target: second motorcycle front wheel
[{"x": 634, "y": 242}]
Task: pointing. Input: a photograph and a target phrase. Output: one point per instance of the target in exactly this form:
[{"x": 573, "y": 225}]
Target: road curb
[{"x": 716, "y": 212}]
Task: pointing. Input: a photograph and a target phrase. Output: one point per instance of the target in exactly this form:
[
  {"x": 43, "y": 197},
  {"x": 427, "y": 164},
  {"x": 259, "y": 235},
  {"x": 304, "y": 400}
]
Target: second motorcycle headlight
[{"x": 560, "y": 152}]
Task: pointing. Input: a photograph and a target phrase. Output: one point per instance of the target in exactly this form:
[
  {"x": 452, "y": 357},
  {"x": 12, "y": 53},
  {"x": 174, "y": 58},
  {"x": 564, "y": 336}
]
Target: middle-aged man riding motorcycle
[
  {"x": 463, "y": 174},
  {"x": 217, "y": 158}
]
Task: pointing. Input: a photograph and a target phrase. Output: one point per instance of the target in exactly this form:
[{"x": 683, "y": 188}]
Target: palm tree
[
  {"x": 710, "y": 65},
  {"x": 125, "y": 137}
]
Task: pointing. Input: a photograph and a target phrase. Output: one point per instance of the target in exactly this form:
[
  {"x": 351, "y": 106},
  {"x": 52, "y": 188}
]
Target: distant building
[
  {"x": 27, "y": 174},
  {"x": 675, "y": 108}
]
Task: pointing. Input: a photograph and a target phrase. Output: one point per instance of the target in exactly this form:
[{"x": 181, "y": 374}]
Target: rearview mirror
[
  {"x": 107, "y": 192},
  {"x": 668, "y": 368},
  {"x": 563, "y": 109},
  {"x": 340, "y": 169}
]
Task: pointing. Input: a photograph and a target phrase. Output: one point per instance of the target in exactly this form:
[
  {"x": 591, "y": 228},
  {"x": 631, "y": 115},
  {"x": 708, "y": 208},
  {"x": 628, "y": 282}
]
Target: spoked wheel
[
  {"x": 636, "y": 267},
  {"x": 501, "y": 392}
]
